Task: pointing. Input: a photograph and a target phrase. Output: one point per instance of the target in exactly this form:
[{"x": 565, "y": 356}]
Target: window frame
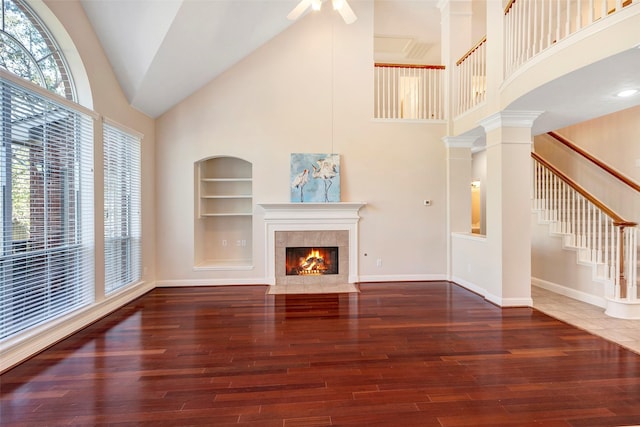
[
  {"x": 53, "y": 272},
  {"x": 122, "y": 206}
]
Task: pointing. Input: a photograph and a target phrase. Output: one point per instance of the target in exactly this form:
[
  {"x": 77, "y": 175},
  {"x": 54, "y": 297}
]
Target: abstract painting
[{"x": 315, "y": 178}]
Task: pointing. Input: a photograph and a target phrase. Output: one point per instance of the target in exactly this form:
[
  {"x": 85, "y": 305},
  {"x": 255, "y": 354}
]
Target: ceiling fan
[{"x": 341, "y": 6}]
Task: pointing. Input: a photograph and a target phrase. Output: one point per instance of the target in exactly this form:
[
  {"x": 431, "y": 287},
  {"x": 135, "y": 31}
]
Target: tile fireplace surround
[
  {"x": 317, "y": 238},
  {"x": 310, "y": 224}
]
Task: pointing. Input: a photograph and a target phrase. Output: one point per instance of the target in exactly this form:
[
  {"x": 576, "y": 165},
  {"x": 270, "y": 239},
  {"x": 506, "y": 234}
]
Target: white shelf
[{"x": 224, "y": 214}]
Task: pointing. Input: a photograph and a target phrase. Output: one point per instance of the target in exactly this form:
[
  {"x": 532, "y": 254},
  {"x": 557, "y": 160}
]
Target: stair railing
[
  {"x": 601, "y": 235},
  {"x": 593, "y": 159}
]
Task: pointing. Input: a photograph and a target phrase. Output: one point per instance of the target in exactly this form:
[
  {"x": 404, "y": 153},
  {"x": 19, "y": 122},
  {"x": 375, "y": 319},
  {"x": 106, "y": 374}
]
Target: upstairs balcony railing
[
  {"x": 471, "y": 71},
  {"x": 414, "y": 92},
  {"x": 532, "y": 26}
]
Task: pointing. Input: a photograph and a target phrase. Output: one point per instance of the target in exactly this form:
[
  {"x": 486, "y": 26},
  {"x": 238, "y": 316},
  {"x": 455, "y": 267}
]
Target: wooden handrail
[
  {"x": 628, "y": 181},
  {"x": 427, "y": 67},
  {"x": 617, "y": 219},
  {"x": 508, "y": 6},
  {"x": 624, "y": 4},
  {"x": 470, "y": 51}
]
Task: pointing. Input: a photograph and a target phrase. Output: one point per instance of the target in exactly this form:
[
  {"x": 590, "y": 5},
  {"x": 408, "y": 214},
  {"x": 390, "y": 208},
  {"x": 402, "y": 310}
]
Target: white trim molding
[
  {"x": 517, "y": 119},
  {"x": 310, "y": 217}
]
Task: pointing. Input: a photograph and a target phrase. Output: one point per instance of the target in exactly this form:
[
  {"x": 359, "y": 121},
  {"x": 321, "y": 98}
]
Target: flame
[
  {"x": 317, "y": 261},
  {"x": 313, "y": 263}
]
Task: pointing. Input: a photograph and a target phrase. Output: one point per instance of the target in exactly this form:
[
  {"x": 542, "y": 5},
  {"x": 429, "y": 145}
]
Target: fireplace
[
  {"x": 311, "y": 260},
  {"x": 311, "y": 225},
  {"x": 311, "y": 257}
]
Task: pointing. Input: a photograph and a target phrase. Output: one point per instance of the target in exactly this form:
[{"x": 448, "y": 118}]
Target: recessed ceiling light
[{"x": 628, "y": 92}]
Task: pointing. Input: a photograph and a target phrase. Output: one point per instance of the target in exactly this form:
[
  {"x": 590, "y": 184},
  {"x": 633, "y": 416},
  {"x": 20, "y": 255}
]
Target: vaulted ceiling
[{"x": 164, "y": 50}]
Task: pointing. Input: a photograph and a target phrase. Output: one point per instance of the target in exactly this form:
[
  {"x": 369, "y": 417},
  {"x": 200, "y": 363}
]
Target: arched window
[
  {"x": 28, "y": 50},
  {"x": 47, "y": 245}
]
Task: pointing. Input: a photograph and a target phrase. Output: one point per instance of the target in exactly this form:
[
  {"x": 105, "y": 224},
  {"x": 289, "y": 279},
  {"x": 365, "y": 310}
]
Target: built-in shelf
[{"x": 224, "y": 206}]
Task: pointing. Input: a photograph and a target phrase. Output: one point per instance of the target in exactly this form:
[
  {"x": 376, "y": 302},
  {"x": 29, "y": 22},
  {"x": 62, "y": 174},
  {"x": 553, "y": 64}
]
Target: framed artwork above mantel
[{"x": 315, "y": 178}]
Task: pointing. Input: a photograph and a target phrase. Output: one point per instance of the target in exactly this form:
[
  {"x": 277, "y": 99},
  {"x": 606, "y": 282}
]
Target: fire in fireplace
[{"x": 311, "y": 260}]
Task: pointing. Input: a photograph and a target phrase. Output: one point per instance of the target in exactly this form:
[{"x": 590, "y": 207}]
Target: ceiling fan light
[
  {"x": 316, "y": 4},
  {"x": 627, "y": 93},
  {"x": 337, "y": 4}
]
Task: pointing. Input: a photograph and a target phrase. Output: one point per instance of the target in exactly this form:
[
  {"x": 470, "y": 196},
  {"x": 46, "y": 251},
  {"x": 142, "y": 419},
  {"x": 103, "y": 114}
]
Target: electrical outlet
[
  {"x": 224, "y": 242},
  {"x": 379, "y": 262}
]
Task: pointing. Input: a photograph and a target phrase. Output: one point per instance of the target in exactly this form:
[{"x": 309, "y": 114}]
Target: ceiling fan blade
[
  {"x": 347, "y": 13},
  {"x": 299, "y": 10}
]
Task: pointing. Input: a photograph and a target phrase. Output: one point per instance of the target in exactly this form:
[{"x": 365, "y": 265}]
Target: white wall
[
  {"x": 302, "y": 93},
  {"x": 472, "y": 264},
  {"x": 556, "y": 268}
]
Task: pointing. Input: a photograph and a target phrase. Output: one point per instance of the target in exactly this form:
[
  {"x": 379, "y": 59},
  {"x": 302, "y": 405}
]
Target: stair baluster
[{"x": 600, "y": 236}]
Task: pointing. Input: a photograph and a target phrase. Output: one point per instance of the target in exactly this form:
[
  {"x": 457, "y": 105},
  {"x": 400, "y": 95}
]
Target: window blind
[
  {"x": 122, "y": 213},
  {"x": 46, "y": 208}
]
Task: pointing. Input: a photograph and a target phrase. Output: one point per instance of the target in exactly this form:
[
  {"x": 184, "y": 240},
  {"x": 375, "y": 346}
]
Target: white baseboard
[
  {"x": 494, "y": 299},
  {"x": 25, "y": 345},
  {"x": 264, "y": 280},
  {"x": 509, "y": 302},
  {"x": 402, "y": 278},
  {"x": 210, "y": 282},
  {"x": 469, "y": 286},
  {"x": 569, "y": 292}
]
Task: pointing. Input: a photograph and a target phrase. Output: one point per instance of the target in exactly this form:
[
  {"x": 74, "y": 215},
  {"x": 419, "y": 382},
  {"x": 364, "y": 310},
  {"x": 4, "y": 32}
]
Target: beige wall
[
  {"x": 614, "y": 138},
  {"x": 302, "y": 93}
]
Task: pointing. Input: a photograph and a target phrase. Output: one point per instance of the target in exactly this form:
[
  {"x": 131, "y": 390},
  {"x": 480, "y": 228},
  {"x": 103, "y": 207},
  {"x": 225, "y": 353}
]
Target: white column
[
  {"x": 509, "y": 142},
  {"x": 456, "y": 24}
]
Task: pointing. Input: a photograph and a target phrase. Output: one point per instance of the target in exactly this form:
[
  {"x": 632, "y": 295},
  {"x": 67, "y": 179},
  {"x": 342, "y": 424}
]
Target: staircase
[{"x": 600, "y": 237}]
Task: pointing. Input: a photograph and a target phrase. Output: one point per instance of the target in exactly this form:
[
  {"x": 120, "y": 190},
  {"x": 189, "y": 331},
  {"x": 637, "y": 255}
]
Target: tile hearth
[{"x": 313, "y": 289}]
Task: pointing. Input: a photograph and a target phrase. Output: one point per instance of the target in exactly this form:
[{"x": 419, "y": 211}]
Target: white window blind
[
  {"x": 122, "y": 215},
  {"x": 46, "y": 207}
]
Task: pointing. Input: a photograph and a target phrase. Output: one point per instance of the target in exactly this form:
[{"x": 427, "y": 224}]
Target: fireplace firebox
[{"x": 307, "y": 260}]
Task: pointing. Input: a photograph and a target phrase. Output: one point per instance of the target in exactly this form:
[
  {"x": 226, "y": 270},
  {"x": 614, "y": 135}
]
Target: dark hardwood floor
[{"x": 397, "y": 354}]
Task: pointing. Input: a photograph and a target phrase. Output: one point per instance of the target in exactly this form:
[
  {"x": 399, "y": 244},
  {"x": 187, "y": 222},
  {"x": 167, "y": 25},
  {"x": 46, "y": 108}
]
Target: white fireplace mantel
[{"x": 311, "y": 217}]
